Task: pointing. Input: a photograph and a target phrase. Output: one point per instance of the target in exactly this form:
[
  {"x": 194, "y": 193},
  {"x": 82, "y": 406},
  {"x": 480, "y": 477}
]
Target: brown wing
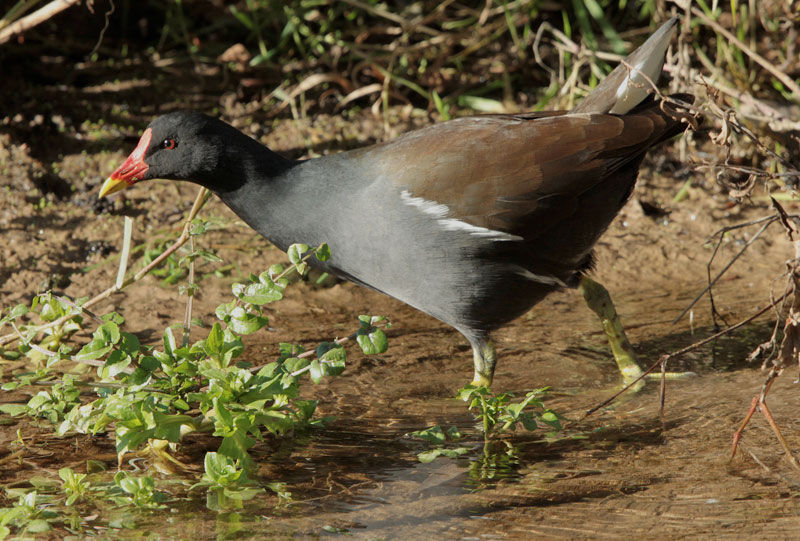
[{"x": 513, "y": 173}]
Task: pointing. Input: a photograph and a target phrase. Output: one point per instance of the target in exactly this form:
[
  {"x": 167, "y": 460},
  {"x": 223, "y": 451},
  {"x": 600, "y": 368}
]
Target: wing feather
[{"x": 516, "y": 173}]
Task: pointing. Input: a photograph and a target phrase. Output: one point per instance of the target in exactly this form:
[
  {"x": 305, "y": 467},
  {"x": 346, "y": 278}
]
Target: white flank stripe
[
  {"x": 451, "y": 224},
  {"x": 549, "y": 280},
  {"x": 428, "y": 207}
]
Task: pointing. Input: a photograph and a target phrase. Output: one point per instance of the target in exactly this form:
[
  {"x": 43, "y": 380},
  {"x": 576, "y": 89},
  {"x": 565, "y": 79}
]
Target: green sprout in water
[{"x": 497, "y": 416}]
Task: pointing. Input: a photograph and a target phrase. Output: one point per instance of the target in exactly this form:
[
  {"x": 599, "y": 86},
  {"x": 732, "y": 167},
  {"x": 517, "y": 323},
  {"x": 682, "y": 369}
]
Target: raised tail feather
[{"x": 627, "y": 86}]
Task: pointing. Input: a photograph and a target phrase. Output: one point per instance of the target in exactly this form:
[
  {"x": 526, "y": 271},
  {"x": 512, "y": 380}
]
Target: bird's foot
[
  {"x": 485, "y": 358},
  {"x": 599, "y": 301}
]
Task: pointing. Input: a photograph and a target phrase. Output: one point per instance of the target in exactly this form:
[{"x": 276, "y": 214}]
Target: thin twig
[
  {"x": 754, "y": 457},
  {"x": 108, "y": 14},
  {"x": 81, "y": 308},
  {"x": 711, "y": 282},
  {"x": 39, "y": 16},
  {"x": 187, "y": 318}
]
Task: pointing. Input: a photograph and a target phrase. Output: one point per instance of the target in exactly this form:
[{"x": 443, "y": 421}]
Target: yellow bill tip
[{"x": 111, "y": 185}]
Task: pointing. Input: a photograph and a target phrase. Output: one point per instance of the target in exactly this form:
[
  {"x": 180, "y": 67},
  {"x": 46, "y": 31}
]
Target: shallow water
[{"x": 623, "y": 472}]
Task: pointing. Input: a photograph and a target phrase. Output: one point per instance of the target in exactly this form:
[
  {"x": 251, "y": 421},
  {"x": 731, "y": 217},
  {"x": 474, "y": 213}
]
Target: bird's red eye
[{"x": 168, "y": 144}]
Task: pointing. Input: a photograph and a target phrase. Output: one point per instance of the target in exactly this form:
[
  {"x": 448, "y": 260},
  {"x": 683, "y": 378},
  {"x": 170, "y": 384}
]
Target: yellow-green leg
[
  {"x": 599, "y": 301},
  {"x": 485, "y": 358}
]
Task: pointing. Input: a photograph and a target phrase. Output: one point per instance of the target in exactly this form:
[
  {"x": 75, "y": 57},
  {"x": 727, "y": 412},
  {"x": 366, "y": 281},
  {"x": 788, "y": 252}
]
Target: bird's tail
[{"x": 627, "y": 86}]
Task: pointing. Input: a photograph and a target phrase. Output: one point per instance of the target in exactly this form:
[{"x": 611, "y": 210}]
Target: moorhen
[{"x": 472, "y": 221}]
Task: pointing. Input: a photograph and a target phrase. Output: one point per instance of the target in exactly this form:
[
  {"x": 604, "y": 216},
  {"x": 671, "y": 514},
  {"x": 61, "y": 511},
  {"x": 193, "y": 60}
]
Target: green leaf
[
  {"x": 131, "y": 439},
  {"x": 198, "y": 227},
  {"x": 223, "y": 419},
  {"x": 13, "y": 409},
  {"x": 306, "y": 408},
  {"x": 18, "y": 311},
  {"x": 93, "y": 350},
  {"x": 108, "y": 332},
  {"x": 330, "y": 363},
  {"x": 373, "y": 341},
  {"x": 113, "y": 317},
  {"x": 224, "y": 310},
  {"x": 551, "y": 419},
  {"x": 169, "y": 427},
  {"x": 129, "y": 344},
  {"x": 243, "y": 18},
  {"x": 268, "y": 371},
  {"x": 316, "y": 371},
  {"x": 149, "y": 363},
  {"x": 276, "y": 422},
  {"x": 243, "y": 322},
  {"x": 515, "y": 409},
  {"x": 169, "y": 343},
  {"x": 293, "y": 364},
  {"x": 433, "y": 434},
  {"x": 471, "y": 392},
  {"x": 429, "y": 456},
  {"x": 440, "y": 106},
  {"x": 296, "y": 251},
  {"x": 221, "y": 470},
  {"x": 289, "y": 350},
  {"x": 528, "y": 422},
  {"x": 336, "y": 354},
  {"x": 262, "y": 293},
  {"x": 236, "y": 446},
  {"x": 181, "y": 404},
  {"x": 323, "y": 253},
  {"x": 116, "y": 363},
  {"x": 215, "y": 341},
  {"x": 38, "y": 526}
]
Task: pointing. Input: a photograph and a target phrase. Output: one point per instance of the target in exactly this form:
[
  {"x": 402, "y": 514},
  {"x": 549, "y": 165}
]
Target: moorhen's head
[{"x": 183, "y": 146}]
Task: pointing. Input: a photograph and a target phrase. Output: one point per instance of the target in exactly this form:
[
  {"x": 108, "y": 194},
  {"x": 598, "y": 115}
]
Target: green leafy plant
[
  {"x": 497, "y": 415},
  {"x": 439, "y": 437},
  {"x": 26, "y": 515},
  {"x": 138, "y": 491},
  {"x": 227, "y": 485},
  {"x": 154, "y": 396},
  {"x": 75, "y": 485}
]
